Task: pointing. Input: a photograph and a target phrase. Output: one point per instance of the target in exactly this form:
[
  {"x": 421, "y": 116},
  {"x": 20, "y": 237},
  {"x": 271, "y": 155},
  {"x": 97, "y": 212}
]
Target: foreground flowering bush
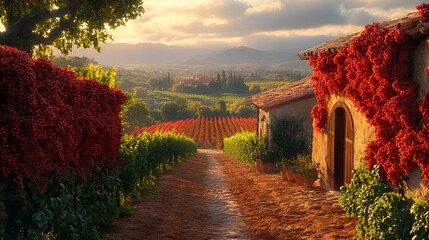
[
  {"x": 63, "y": 163},
  {"x": 59, "y": 150},
  {"x": 53, "y": 123}
]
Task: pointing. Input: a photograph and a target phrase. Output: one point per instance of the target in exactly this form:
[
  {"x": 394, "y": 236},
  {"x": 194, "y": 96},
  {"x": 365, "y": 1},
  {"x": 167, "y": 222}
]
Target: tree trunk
[{"x": 21, "y": 43}]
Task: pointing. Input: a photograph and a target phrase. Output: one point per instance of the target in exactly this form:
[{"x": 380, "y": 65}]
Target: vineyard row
[{"x": 205, "y": 131}]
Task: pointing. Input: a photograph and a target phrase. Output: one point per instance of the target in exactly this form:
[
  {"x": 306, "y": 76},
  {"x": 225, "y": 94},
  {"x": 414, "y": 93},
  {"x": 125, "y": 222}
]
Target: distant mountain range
[{"x": 123, "y": 54}]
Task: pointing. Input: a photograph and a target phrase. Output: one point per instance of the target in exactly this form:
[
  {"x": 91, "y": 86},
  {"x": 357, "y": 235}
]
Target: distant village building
[
  {"x": 339, "y": 147},
  {"x": 197, "y": 80},
  {"x": 294, "y": 100}
]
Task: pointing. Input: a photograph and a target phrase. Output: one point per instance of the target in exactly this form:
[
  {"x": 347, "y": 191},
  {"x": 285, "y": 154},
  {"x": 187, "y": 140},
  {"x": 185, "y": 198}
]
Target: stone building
[
  {"x": 339, "y": 147},
  {"x": 292, "y": 100}
]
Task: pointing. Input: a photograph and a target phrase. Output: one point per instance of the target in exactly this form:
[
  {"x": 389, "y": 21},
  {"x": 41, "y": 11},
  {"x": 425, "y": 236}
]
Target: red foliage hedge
[
  {"x": 375, "y": 73},
  {"x": 52, "y": 122}
]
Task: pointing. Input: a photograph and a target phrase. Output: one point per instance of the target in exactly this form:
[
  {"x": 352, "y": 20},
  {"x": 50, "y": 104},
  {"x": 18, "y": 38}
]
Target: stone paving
[
  {"x": 277, "y": 209},
  {"x": 213, "y": 196},
  {"x": 225, "y": 213}
]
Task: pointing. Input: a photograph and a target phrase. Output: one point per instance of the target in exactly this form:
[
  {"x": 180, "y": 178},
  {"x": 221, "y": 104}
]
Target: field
[
  {"x": 207, "y": 132},
  {"x": 156, "y": 98}
]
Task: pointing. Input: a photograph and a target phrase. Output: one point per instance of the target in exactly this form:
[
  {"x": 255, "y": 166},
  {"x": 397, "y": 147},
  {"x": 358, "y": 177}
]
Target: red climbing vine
[
  {"x": 424, "y": 12},
  {"x": 374, "y": 72}
]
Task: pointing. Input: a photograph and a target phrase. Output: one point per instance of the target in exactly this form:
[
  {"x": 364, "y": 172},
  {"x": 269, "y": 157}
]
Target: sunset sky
[{"x": 262, "y": 24}]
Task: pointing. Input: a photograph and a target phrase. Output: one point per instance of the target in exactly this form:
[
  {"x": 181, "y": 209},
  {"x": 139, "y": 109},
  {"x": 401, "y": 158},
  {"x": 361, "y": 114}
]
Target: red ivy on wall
[
  {"x": 374, "y": 72},
  {"x": 424, "y": 12},
  {"x": 52, "y": 122}
]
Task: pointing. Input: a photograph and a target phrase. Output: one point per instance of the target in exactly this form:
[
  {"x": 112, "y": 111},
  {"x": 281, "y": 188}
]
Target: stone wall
[
  {"x": 420, "y": 61},
  {"x": 263, "y": 123},
  {"x": 363, "y": 133},
  {"x": 300, "y": 109}
]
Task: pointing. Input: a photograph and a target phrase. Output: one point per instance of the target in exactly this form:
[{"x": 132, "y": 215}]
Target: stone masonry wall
[
  {"x": 299, "y": 110},
  {"x": 363, "y": 133},
  {"x": 420, "y": 61}
]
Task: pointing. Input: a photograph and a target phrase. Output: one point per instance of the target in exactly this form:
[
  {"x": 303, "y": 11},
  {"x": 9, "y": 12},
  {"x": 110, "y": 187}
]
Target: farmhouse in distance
[{"x": 197, "y": 80}]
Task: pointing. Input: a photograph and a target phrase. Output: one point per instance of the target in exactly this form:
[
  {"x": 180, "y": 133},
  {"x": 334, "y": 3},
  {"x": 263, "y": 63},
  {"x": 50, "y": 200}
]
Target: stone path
[
  {"x": 224, "y": 212},
  {"x": 213, "y": 196},
  {"x": 277, "y": 209}
]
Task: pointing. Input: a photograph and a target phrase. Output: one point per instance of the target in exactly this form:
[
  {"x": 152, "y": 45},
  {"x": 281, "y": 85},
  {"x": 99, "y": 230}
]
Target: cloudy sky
[{"x": 262, "y": 24}]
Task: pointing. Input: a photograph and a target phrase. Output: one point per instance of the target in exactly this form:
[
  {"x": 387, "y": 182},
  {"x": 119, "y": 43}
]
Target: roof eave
[
  {"x": 410, "y": 23},
  {"x": 298, "y": 99},
  {"x": 270, "y": 107}
]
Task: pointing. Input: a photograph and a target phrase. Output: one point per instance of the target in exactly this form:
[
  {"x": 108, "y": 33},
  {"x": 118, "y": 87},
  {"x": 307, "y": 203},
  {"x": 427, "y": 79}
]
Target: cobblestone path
[{"x": 213, "y": 196}]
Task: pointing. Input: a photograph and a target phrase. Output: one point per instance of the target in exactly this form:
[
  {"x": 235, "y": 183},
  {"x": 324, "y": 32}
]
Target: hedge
[
  {"x": 59, "y": 154},
  {"x": 241, "y": 146},
  {"x": 51, "y": 122},
  {"x": 61, "y": 168},
  {"x": 147, "y": 156}
]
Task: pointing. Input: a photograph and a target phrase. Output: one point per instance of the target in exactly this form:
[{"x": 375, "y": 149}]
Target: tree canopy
[
  {"x": 169, "y": 111},
  {"x": 77, "y": 62},
  {"x": 34, "y": 26},
  {"x": 96, "y": 72},
  {"x": 137, "y": 115}
]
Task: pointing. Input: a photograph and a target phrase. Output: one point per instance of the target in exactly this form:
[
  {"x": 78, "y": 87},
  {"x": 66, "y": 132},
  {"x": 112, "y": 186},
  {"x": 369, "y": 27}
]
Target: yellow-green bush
[{"x": 241, "y": 146}]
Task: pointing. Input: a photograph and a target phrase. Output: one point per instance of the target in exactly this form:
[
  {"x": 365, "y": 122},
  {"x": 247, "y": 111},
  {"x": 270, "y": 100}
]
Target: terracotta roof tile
[
  {"x": 283, "y": 95},
  {"x": 410, "y": 23}
]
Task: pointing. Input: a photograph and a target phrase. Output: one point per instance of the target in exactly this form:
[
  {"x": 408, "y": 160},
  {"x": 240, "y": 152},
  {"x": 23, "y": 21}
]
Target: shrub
[
  {"x": 382, "y": 209},
  {"x": 420, "y": 228},
  {"x": 264, "y": 153},
  {"x": 306, "y": 167},
  {"x": 70, "y": 208},
  {"x": 53, "y": 123},
  {"x": 150, "y": 155},
  {"x": 288, "y": 140},
  {"x": 241, "y": 146},
  {"x": 359, "y": 197},
  {"x": 60, "y": 139}
]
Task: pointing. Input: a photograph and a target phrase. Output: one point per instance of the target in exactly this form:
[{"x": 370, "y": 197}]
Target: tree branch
[
  {"x": 56, "y": 32},
  {"x": 10, "y": 18},
  {"x": 35, "y": 17}
]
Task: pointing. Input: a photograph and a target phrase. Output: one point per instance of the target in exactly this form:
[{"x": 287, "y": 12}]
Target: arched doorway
[{"x": 340, "y": 146}]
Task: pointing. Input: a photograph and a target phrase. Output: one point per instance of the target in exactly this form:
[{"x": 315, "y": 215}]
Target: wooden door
[
  {"x": 349, "y": 160},
  {"x": 331, "y": 150},
  {"x": 340, "y": 147}
]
